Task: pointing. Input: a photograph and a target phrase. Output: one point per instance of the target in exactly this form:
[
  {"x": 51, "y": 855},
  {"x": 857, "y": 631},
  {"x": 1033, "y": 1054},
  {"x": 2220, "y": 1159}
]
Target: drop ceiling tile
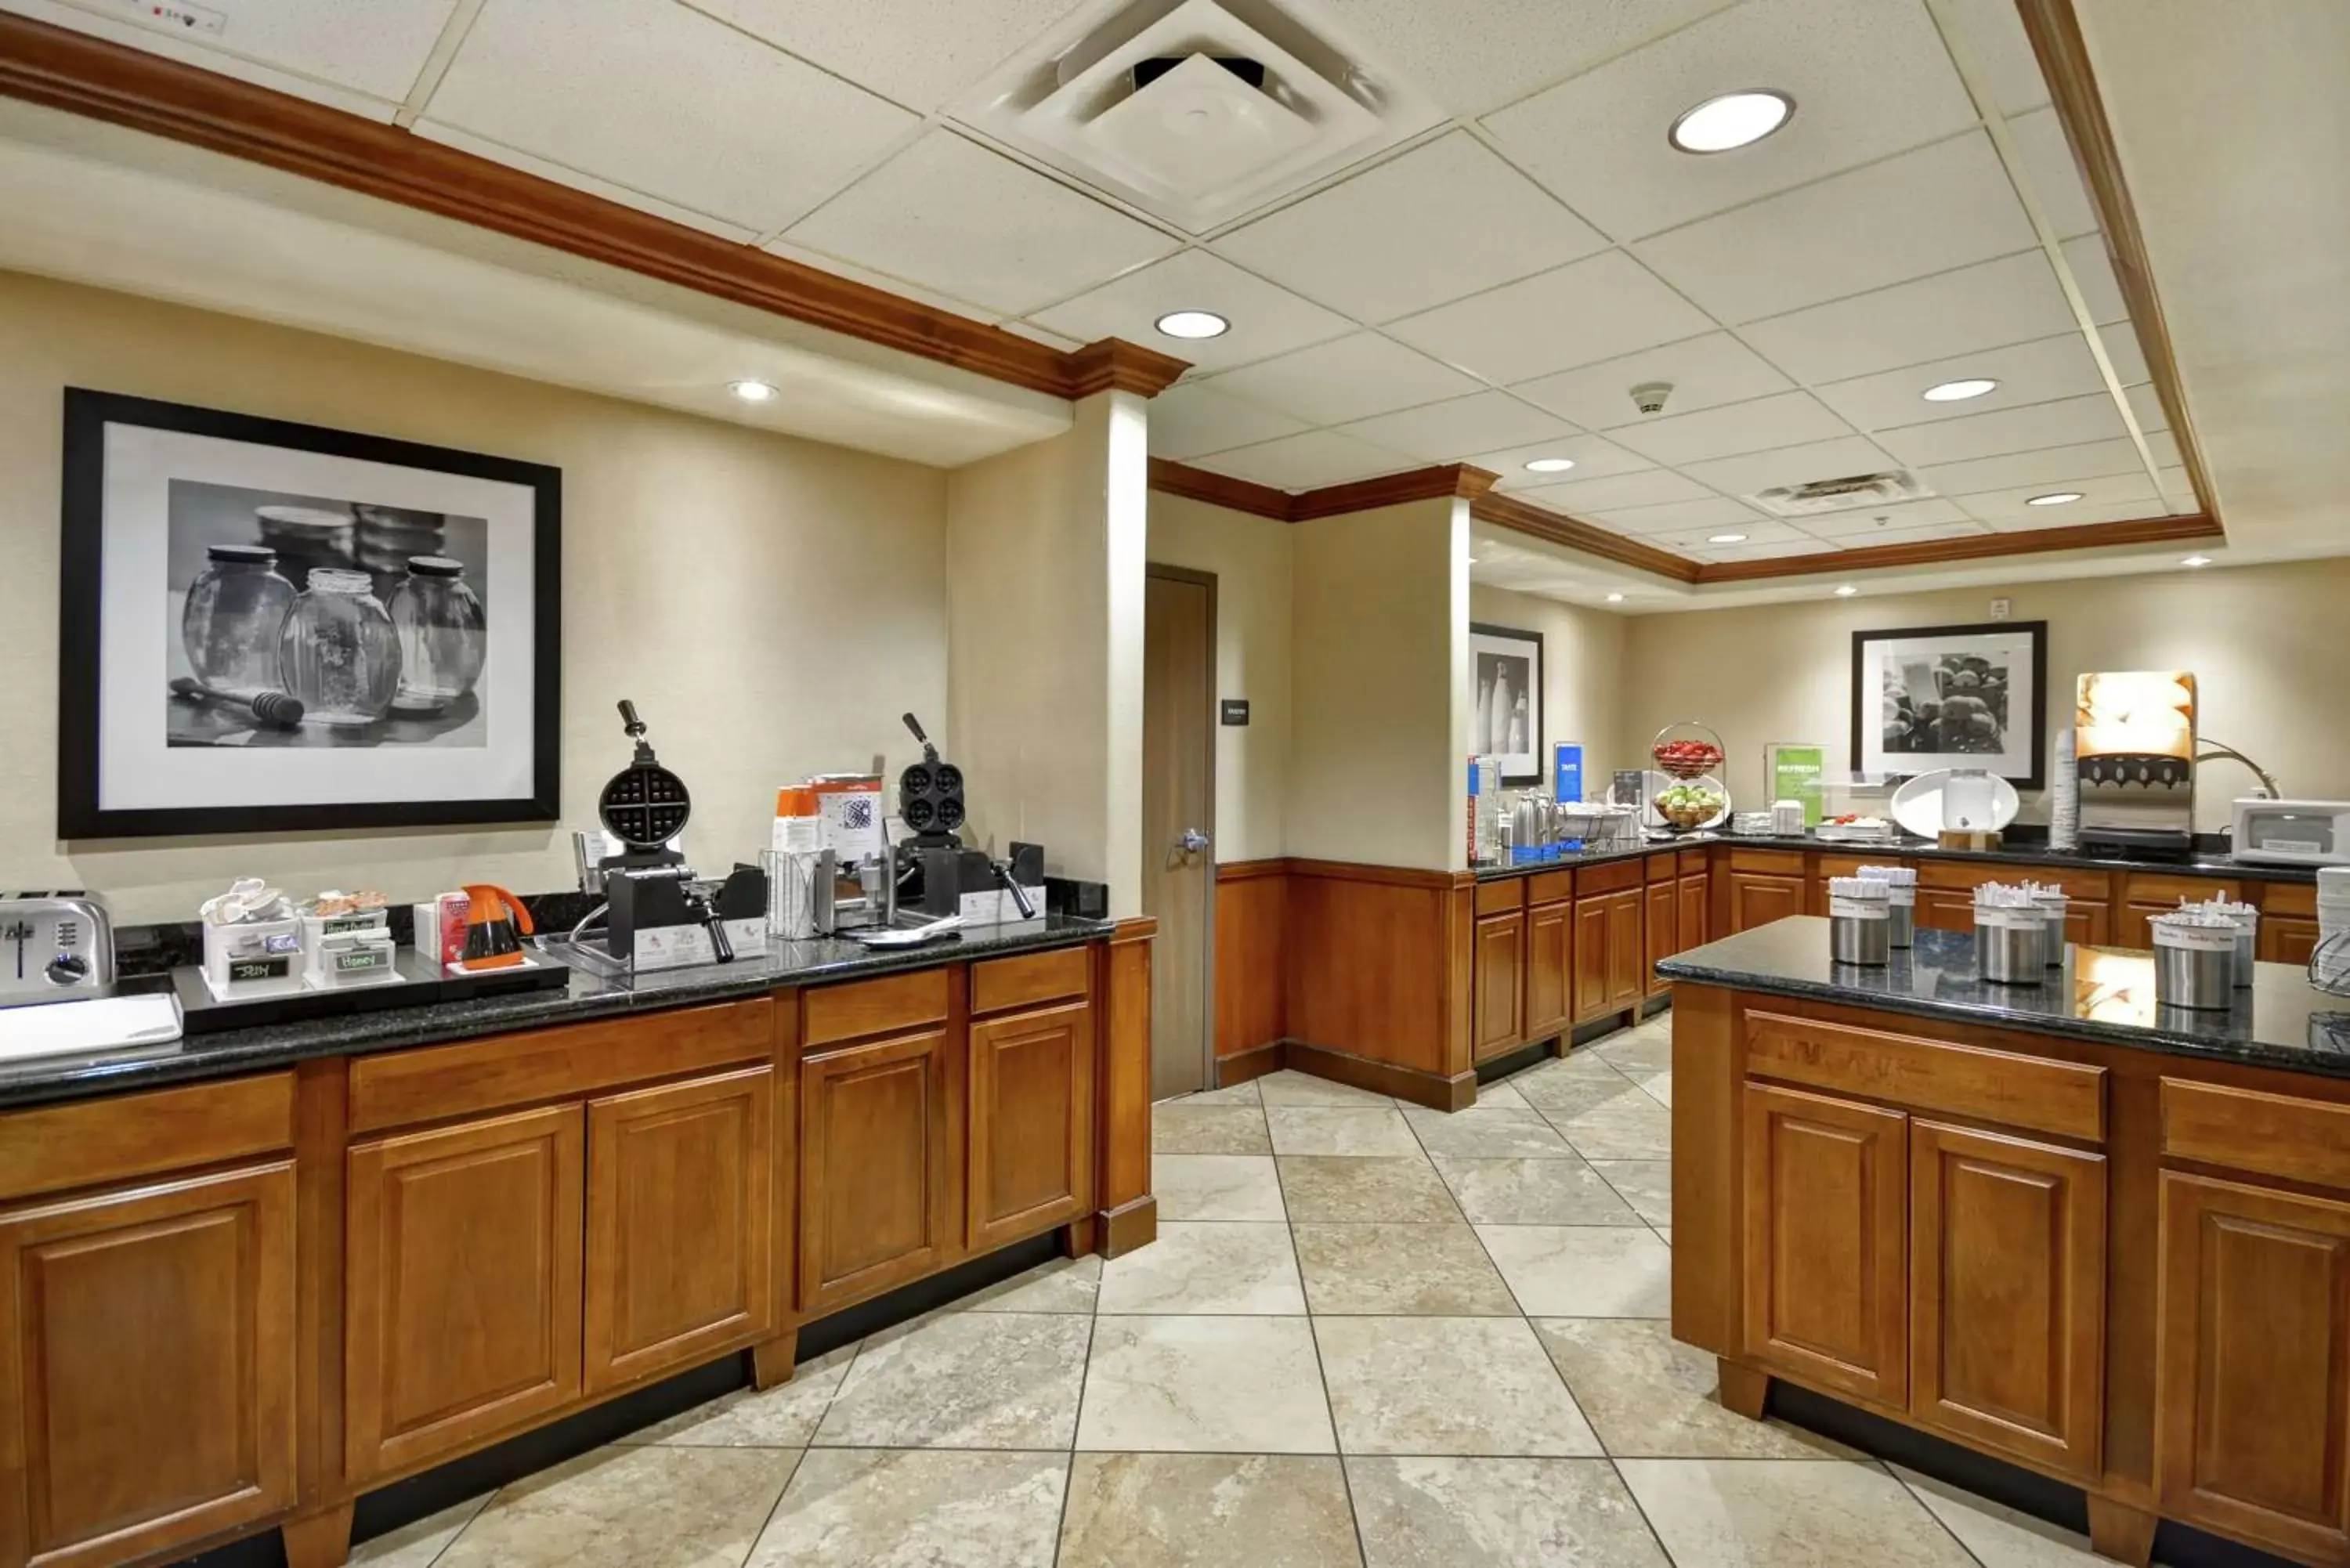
[
  {"x": 1758, "y": 470},
  {"x": 1443, "y": 433},
  {"x": 1195, "y": 417},
  {"x": 1782, "y": 551},
  {"x": 1923, "y": 536},
  {"x": 1267, "y": 321},
  {"x": 2064, "y": 423},
  {"x": 1348, "y": 379},
  {"x": 1693, "y": 541},
  {"x": 2148, "y": 406},
  {"x": 1995, "y": 31},
  {"x": 919, "y": 52},
  {"x": 1307, "y": 461},
  {"x": 1037, "y": 334},
  {"x": 2038, "y": 372},
  {"x": 1650, "y": 487},
  {"x": 2102, "y": 491},
  {"x": 951, "y": 215},
  {"x": 2094, "y": 270},
  {"x": 1598, "y": 309},
  {"x": 2079, "y": 516},
  {"x": 2011, "y": 300},
  {"x": 2164, "y": 445},
  {"x": 1867, "y": 81},
  {"x": 1441, "y": 221},
  {"x": 878, "y": 280},
  {"x": 1508, "y": 48},
  {"x": 1860, "y": 524},
  {"x": 2121, "y": 347},
  {"x": 1593, "y": 458},
  {"x": 561, "y": 174},
  {"x": 1923, "y": 212},
  {"x": 667, "y": 101},
  {"x": 1713, "y": 512},
  {"x": 2177, "y": 489},
  {"x": 2043, "y": 469},
  {"x": 1703, "y": 372},
  {"x": 2054, "y": 178},
  {"x": 1784, "y": 418}
]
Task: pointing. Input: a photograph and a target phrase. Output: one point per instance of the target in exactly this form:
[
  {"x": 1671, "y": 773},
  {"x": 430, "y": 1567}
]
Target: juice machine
[{"x": 2134, "y": 737}]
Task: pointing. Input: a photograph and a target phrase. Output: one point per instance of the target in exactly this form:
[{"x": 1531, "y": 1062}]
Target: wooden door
[
  {"x": 1661, "y": 936},
  {"x": 1941, "y": 909},
  {"x": 1757, "y": 899},
  {"x": 2288, "y": 938},
  {"x": 1827, "y": 1242},
  {"x": 2253, "y": 1387},
  {"x": 462, "y": 1292},
  {"x": 1032, "y": 1095},
  {"x": 876, "y": 1179},
  {"x": 1501, "y": 979},
  {"x": 2007, "y": 1294},
  {"x": 2087, "y": 923},
  {"x": 147, "y": 1364},
  {"x": 1179, "y": 815},
  {"x": 1694, "y": 913},
  {"x": 1627, "y": 954},
  {"x": 1591, "y": 980},
  {"x": 682, "y": 1224},
  {"x": 1550, "y": 970}
]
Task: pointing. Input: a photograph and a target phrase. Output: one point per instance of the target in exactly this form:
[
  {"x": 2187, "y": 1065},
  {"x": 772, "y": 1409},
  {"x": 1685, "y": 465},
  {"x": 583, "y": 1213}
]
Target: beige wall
[
  {"x": 1583, "y": 676},
  {"x": 771, "y": 604},
  {"x": 2269, "y": 646},
  {"x": 1249, "y": 558}
]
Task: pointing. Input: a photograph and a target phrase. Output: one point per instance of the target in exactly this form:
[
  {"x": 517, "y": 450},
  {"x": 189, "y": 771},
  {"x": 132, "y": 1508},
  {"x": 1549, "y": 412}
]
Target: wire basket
[
  {"x": 2329, "y": 966},
  {"x": 1687, "y": 756}
]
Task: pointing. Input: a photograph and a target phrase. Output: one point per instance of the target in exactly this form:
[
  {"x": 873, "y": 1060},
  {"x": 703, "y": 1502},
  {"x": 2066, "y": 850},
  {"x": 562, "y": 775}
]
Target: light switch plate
[{"x": 1999, "y": 608}]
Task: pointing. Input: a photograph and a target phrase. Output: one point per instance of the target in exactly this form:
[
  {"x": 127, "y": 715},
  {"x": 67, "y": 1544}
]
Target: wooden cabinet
[
  {"x": 1610, "y": 955},
  {"x": 682, "y": 1224},
  {"x": 147, "y": 1366},
  {"x": 1943, "y": 909},
  {"x": 2148, "y": 894},
  {"x": 2007, "y": 1300},
  {"x": 1549, "y": 1001},
  {"x": 1499, "y": 979},
  {"x": 1827, "y": 1229},
  {"x": 2253, "y": 1391},
  {"x": 462, "y": 1285},
  {"x": 1693, "y": 919},
  {"x": 2088, "y": 922},
  {"x": 1661, "y": 920},
  {"x": 1031, "y": 1121},
  {"x": 1759, "y": 897},
  {"x": 878, "y": 1180},
  {"x": 2288, "y": 938}
]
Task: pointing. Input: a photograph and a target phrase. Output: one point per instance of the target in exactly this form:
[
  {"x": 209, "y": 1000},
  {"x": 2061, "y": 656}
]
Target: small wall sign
[{"x": 1235, "y": 709}]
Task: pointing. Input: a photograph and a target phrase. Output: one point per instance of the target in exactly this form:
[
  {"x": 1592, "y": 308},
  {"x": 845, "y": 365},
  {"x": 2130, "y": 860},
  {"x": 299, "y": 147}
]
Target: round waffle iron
[
  {"x": 645, "y": 805},
  {"x": 930, "y": 793}
]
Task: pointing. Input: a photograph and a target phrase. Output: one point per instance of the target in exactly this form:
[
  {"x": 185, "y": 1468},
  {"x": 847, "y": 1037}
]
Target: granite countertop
[
  {"x": 2105, "y": 994},
  {"x": 585, "y": 996},
  {"x": 2021, "y": 856}
]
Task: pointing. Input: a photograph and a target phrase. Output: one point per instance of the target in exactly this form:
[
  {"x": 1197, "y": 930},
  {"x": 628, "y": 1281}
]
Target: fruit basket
[{"x": 1687, "y": 755}]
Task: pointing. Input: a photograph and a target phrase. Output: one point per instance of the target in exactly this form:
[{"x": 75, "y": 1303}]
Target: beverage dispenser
[{"x": 2133, "y": 741}]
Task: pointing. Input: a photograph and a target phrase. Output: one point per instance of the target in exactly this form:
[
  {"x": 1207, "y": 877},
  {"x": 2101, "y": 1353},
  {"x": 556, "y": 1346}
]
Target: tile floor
[{"x": 1368, "y": 1334}]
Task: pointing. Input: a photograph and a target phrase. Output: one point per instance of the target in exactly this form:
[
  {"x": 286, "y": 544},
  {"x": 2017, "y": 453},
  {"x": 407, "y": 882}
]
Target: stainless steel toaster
[{"x": 54, "y": 945}]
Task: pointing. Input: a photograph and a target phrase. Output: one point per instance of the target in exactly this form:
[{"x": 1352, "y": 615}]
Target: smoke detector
[
  {"x": 1820, "y": 495},
  {"x": 1649, "y": 396},
  {"x": 1196, "y": 110}
]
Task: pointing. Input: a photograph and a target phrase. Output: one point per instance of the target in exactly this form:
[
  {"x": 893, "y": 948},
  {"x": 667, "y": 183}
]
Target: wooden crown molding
[
  {"x": 1506, "y": 511},
  {"x": 1453, "y": 479},
  {"x": 61, "y": 68},
  {"x": 1171, "y": 478},
  {"x": 1968, "y": 547}
]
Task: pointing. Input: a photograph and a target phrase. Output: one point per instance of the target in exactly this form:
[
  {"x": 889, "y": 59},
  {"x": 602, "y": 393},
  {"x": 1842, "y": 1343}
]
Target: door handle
[{"x": 1192, "y": 841}]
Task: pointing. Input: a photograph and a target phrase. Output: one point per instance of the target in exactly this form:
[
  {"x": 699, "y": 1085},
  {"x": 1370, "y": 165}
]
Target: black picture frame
[
  {"x": 1867, "y": 703},
  {"x": 82, "y": 568},
  {"x": 1533, "y": 652}
]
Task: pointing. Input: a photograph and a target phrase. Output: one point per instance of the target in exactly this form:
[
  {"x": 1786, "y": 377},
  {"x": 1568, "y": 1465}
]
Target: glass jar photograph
[
  {"x": 338, "y": 651},
  {"x": 443, "y": 635},
  {"x": 235, "y": 612}
]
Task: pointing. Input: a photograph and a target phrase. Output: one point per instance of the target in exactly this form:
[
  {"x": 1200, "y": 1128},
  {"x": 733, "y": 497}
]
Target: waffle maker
[
  {"x": 935, "y": 873},
  {"x": 660, "y": 916}
]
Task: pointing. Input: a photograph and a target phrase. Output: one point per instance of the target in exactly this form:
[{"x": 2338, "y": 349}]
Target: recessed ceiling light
[
  {"x": 2196, "y": 561},
  {"x": 1959, "y": 391},
  {"x": 751, "y": 392},
  {"x": 1846, "y": 591},
  {"x": 1193, "y": 323},
  {"x": 1550, "y": 465},
  {"x": 1731, "y": 120},
  {"x": 1726, "y": 539},
  {"x": 2055, "y": 498},
  {"x": 1614, "y": 599}
]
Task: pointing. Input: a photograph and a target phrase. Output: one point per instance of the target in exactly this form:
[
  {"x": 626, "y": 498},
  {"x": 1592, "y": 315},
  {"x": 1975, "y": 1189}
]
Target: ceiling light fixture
[
  {"x": 752, "y": 391},
  {"x": 1614, "y": 599},
  {"x": 1731, "y": 120},
  {"x": 1550, "y": 465},
  {"x": 1192, "y": 324},
  {"x": 1846, "y": 591},
  {"x": 1959, "y": 391},
  {"x": 1726, "y": 539},
  {"x": 2196, "y": 561},
  {"x": 2055, "y": 498}
]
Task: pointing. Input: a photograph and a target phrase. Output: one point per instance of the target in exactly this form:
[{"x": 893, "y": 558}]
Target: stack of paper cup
[{"x": 2331, "y": 965}]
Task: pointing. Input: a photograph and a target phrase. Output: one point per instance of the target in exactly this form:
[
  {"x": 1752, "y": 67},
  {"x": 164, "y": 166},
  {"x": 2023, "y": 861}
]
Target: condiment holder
[
  {"x": 2248, "y": 932},
  {"x": 2194, "y": 961},
  {"x": 1860, "y": 924},
  {"x": 2055, "y": 908},
  {"x": 2010, "y": 935},
  {"x": 1902, "y": 899}
]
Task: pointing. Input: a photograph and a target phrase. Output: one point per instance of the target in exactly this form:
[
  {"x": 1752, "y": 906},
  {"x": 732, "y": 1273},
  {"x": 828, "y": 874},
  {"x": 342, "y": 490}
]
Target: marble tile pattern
[{"x": 1368, "y": 1336}]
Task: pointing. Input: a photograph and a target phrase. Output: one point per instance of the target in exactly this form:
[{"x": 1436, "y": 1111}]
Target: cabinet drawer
[
  {"x": 2061, "y": 1098},
  {"x": 2275, "y": 1135},
  {"x": 1612, "y": 876},
  {"x": 1550, "y": 886},
  {"x": 2166, "y": 889},
  {"x": 1660, "y": 867},
  {"x": 2287, "y": 899},
  {"x": 1693, "y": 861},
  {"x": 1499, "y": 897},
  {"x": 1965, "y": 877},
  {"x": 1025, "y": 981},
  {"x": 873, "y": 1007},
  {"x": 61, "y": 1147},
  {"x": 1770, "y": 862}
]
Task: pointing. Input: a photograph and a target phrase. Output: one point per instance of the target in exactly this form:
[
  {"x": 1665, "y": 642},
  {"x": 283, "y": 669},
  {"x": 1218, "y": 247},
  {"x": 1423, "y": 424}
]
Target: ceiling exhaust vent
[
  {"x": 1197, "y": 111},
  {"x": 1819, "y": 495}
]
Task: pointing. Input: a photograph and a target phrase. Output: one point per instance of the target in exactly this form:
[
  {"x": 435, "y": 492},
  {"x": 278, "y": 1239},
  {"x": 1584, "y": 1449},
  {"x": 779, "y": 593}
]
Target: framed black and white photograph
[
  {"x": 1952, "y": 697},
  {"x": 269, "y": 626},
  {"x": 1506, "y": 673}
]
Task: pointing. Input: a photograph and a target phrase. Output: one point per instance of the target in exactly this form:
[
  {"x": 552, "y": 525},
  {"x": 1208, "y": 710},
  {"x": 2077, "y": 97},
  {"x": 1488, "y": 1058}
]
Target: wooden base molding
[
  {"x": 1436, "y": 1092},
  {"x": 319, "y": 1539},
  {"x": 1242, "y": 1066},
  {"x": 2121, "y": 1532},
  {"x": 1130, "y": 1225},
  {"x": 774, "y": 1360}
]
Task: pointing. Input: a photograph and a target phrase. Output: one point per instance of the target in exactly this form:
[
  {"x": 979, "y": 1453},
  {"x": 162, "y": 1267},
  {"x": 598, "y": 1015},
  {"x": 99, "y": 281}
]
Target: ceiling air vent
[
  {"x": 1197, "y": 111},
  {"x": 1818, "y": 495}
]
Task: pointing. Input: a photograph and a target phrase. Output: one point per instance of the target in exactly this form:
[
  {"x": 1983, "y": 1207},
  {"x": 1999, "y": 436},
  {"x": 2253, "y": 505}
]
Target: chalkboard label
[
  {"x": 259, "y": 969},
  {"x": 1235, "y": 709},
  {"x": 363, "y": 957}
]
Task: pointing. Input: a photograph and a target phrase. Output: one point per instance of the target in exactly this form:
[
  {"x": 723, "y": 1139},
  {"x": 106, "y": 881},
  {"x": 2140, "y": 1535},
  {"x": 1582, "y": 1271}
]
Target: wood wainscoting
[{"x": 1251, "y": 975}]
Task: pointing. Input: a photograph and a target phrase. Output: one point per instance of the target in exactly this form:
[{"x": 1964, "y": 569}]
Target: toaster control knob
[{"x": 67, "y": 969}]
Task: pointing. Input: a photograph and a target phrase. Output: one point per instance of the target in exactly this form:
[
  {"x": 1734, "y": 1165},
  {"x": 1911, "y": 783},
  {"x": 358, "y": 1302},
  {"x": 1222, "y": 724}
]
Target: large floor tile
[
  {"x": 1623, "y": 1123},
  {"x": 1216, "y": 1187},
  {"x": 917, "y": 1508},
  {"x": 1340, "y": 1129},
  {"x": 1216, "y": 1385},
  {"x": 1647, "y": 1049},
  {"x": 1645, "y": 1184},
  {"x": 1417, "y": 1269},
  {"x": 1498, "y": 1514},
  {"x": 1583, "y": 1271},
  {"x": 1483, "y": 1133},
  {"x": 1769, "y": 1513},
  {"x": 1657, "y": 1087},
  {"x": 1293, "y": 1088},
  {"x": 780, "y": 1417},
  {"x": 1178, "y": 1128},
  {"x": 1533, "y": 1192},
  {"x": 419, "y": 1543},
  {"x": 1242, "y": 1094},
  {"x": 1649, "y": 1397},
  {"x": 1561, "y": 1089},
  {"x": 629, "y": 1508},
  {"x": 964, "y": 1380},
  {"x": 1498, "y": 1096},
  {"x": 1349, "y": 1188},
  {"x": 1447, "y": 1386},
  {"x": 1062, "y": 1285},
  {"x": 1207, "y": 1267},
  {"x": 1999, "y": 1536},
  {"x": 1207, "y": 1510}
]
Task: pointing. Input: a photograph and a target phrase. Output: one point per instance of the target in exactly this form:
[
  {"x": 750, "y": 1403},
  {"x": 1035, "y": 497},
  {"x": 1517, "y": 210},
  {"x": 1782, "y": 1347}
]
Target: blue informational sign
[{"x": 1566, "y": 773}]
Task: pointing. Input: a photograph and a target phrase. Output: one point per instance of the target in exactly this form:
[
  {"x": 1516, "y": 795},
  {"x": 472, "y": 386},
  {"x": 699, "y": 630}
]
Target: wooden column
[{"x": 1128, "y": 1214}]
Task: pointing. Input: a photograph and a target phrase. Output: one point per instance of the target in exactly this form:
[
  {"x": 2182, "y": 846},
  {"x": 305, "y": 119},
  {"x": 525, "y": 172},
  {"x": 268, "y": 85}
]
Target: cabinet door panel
[
  {"x": 876, "y": 1191},
  {"x": 1694, "y": 915},
  {"x": 146, "y": 1366},
  {"x": 1591, "y": 979},
  {"x": 2288, "y": 938},
  {"x": 1757, "y": 899},
  {"x": 2007, "y": 1292},
  {"x": 2088, "y": 924},
  {"x": 1827, "y": 1234},
  {"x": 1031, "y": 1122},
  {"x": 1939, "y": 909},
  {"x": 462, "y": 1307},
  {"x": 1500, "y": 965},
  {"x": 680, "y": 1223},
  {"x": 1550, "y": 970},
  {"x": 1628, "y": 967},
  {"x": 2253, "y": 1391},
  {"x": 1662, "y": 925}
]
